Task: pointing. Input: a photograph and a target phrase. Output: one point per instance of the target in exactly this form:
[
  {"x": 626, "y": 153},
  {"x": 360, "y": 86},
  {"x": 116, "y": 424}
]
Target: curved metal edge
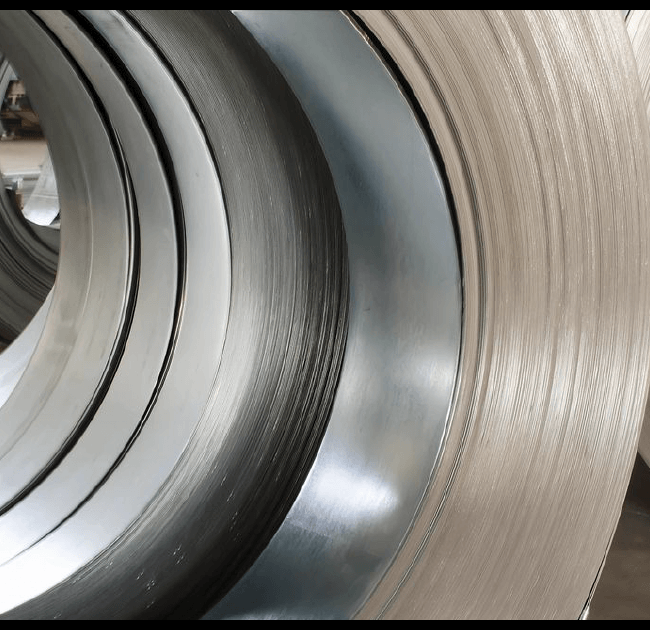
[{"x": 389, "y": 417}]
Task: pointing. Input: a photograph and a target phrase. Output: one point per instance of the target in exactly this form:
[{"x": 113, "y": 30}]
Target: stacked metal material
[{"x": 349, "y": 318}]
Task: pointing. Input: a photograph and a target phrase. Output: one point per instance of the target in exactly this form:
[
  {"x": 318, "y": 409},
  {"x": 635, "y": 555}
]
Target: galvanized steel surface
[{"x": 349, "y": 318}]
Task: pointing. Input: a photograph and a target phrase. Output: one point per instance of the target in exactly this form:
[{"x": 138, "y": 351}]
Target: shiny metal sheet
[
  {"x": 638, "y": 27},
  {"x": 235, "y": 327},
  {"x": 389, "y": 416},
  {"x": 391, "y": 360}
]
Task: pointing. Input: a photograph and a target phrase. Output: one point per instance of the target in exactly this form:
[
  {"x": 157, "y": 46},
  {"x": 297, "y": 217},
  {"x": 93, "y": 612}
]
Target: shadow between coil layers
[
  {"x": 193, "y": 341},
  {"x": 190, "y": 358}
]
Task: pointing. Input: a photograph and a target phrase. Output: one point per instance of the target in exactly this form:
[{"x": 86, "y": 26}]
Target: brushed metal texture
[
  {"x": 350, "y": 318},
  {"x": 229, "y": 299},
  {"x": 540, "y": 119}
]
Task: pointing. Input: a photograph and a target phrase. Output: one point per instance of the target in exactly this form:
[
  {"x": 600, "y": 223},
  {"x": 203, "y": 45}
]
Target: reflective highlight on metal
[
  {"x": 188, "y": 341},
  {"x": 42, "y": 207},
  {"x": 389, "y": 416},
  {"x": 350, "y": 318},
  {"x": 539, "y": 117}
]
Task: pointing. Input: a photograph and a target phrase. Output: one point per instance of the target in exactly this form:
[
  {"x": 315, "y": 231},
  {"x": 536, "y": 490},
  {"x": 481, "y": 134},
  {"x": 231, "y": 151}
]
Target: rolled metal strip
[
  {"x": 28, "y": 259},
  {"x": 216, "y": 391},
  {"x": 28, "y": 265},
  {"x": 204, "y": 447},
  {"x": 95, "y": 281},
  {"x": 391, "y": 408},
  {"x": 538, "y": 117},
  {"x": 638, "y": 27}
]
